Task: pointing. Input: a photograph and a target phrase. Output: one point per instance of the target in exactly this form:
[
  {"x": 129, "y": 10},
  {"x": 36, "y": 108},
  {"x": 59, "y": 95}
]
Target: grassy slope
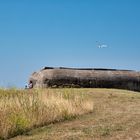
[
  {"x": 116, "y": 116},
  {"x": 23, "y": 110}
]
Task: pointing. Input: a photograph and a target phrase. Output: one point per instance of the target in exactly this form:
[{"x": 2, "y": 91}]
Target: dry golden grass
[
  {"x": 21, "y": 111},
  {"x": 116, "y": 116}
]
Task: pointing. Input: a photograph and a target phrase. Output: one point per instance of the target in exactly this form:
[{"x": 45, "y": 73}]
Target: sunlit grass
[
  {"x": 22, "y": 110},
  {"x": 116, "y": 115}
]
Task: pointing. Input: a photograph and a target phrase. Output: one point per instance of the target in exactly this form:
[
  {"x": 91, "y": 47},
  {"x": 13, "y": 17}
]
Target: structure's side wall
[{"x": 86, "y": 78}]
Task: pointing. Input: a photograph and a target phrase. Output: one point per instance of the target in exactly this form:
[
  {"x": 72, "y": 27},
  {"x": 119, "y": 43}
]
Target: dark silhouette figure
[{"x": 30, "y": 86}]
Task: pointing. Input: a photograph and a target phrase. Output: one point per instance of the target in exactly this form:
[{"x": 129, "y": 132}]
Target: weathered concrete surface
[{"x": 86, "y": 78}]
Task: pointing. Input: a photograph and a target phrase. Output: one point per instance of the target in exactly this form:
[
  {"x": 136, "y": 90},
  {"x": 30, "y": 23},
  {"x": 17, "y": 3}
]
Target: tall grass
[{"x": 22, "y": 110}]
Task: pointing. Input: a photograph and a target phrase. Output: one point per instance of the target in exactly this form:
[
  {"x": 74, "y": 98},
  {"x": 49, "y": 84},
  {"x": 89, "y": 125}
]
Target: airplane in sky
[{"x": 99, "y": 45}]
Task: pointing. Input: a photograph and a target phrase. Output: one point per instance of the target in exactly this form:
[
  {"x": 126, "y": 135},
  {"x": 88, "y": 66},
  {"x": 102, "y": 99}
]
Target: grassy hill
[
  {"x": 23, "y": 110},
  {"x": 115, "y": 116}
]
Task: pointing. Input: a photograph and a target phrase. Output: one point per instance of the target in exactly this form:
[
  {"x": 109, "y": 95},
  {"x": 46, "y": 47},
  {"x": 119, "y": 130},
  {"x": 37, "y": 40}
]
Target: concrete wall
[{"x": 86, "y": 78}]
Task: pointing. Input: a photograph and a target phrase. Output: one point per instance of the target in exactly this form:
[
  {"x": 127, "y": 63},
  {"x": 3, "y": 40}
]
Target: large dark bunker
[{"x": 86, "y": 78}]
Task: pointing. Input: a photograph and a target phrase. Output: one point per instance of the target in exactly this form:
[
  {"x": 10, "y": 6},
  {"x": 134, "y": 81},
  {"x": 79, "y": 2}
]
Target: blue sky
[{"x": 38, "y": 33}]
